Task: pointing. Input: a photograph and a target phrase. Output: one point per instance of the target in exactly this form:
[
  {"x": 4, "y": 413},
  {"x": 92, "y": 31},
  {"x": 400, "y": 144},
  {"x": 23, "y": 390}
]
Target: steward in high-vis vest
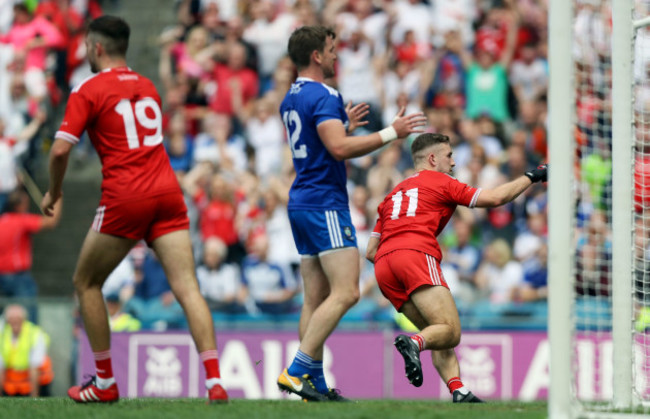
[{"x": 25, "y": 367}]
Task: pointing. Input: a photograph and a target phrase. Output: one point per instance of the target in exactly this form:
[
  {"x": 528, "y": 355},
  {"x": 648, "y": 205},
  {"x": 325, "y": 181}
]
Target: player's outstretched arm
[
  {"x": 59, "y": 155},
  {"x": 509, "y": 191},
  {"x": 341, "y": 146}
]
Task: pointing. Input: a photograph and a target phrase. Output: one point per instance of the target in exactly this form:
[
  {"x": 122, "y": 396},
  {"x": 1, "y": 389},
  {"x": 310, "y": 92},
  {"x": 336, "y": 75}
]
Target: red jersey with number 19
[
  {"x": 417, "y": 210},
  {"x": 121, "y": 110}
]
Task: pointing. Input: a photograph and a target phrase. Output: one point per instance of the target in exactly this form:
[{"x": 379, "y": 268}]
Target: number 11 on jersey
[{"x": 412, "y": 195}]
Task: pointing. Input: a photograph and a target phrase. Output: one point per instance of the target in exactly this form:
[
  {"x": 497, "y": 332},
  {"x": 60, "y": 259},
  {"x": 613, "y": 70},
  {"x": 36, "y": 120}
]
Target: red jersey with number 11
[
  {"x": 417, "y": 210},
  {"x": 121, "y": 110}
]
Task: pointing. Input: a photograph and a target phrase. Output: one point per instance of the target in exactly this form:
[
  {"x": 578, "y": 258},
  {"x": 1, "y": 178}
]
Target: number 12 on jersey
[
  {"x": 412, "y": 195},
  {"x": 292, "y": 118}
]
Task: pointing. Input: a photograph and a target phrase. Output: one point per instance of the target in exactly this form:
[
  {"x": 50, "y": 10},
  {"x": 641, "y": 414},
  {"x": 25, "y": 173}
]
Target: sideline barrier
[{"x": 362, "y": 364}]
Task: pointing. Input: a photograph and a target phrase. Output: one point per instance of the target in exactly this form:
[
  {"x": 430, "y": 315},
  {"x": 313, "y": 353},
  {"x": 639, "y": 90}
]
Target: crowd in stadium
[{"x": 477, "y": 69}]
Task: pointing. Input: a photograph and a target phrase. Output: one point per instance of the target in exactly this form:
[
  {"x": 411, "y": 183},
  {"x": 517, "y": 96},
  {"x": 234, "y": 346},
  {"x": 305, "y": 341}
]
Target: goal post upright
[
  {"x": 560, "y": 261},
  {"x": 622, "y": 199}
]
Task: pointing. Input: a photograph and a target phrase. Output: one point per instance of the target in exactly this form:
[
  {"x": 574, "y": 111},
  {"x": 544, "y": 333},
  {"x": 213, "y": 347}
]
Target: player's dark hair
[
  {"x": 114, "y": 33},
  {"x": 305, "y": 40},
  {"x": 424, "y": 141},
  {"x": 15, "y": 200}
]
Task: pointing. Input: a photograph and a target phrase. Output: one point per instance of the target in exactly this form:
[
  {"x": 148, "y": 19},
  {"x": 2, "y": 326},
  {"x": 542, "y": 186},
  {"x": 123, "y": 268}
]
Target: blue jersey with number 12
[{"x": 320, "y": 179}]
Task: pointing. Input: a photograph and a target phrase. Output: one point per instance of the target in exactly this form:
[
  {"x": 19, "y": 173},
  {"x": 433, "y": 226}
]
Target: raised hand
[
  {"x": 409, "y": 124},
  {"x": 539, "y": 174},
  {"x": 356, "y": 114}
]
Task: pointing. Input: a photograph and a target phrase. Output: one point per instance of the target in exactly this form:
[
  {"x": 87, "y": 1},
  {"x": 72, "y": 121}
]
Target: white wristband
[{"x": 388, "y": 134}]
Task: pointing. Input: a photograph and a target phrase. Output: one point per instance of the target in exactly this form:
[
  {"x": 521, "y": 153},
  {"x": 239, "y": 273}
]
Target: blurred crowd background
[{"x": 477, "y": 68}]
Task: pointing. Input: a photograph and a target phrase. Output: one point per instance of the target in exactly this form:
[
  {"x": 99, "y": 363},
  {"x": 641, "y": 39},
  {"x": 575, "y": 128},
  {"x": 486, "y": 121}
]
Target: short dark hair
[
  {"x": 305, "y": 40},
  {"x": 15, "y": 199},
  {"x": 114, "y": 33},
  {"x": 424, "y": 141}
]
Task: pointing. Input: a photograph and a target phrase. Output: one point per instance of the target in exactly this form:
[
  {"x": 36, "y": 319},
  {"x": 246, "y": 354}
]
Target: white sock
[
  {"x": 212, "y": 382},
  {"x": 104, "y": 383},
  {"x": 463, "y": 390}
]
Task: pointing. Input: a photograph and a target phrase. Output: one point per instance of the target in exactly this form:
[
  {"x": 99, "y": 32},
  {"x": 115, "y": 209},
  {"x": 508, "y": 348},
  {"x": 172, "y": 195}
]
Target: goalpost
[{"x": 599, "y": 208}]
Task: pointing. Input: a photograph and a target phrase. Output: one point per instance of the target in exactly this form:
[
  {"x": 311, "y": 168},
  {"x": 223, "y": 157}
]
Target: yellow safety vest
[
  {"x": 16, "y": 356},
  {"x": 16, "y": 359},
  {"x": 125, "y": 323}
]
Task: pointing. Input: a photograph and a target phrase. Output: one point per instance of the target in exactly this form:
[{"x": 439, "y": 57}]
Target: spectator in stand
[
  {"x": 219, "y": 145},
  {"x": 154, "y": 303},
  {"x": 401, "y": 78},
  {"x": 498, "y": 274},
  {"x": 471, "y": 134},
  {"x": 32, "y": 37},
  {"x": 17, "y": 226},
  {"x": 479, "y": 171},
  {"x": 403, "y": 100},
  {"x": 216, "y": 205},
  {"x": 531, "y": 130},
  {"x": 121, "y": 282},
  {"x": 535, "y": 284},
  {"x": 413, "y": 15},
  {"x": 25, "y": 367},
  {"x": 220, "y": 282},
  {"x": 464, "y": 256},
  {"x": 411, "y": 51},
  {"x": 269, "y": 32},
  {"x": 455, "y": 15},
  {"x": 69, "y": 23},
  {"x": 529, "y": 75},
  {"x": 188, "y": 59},
  {"x": 383, "y": 176},
  {"x": 10, "y": 148},
  {"x": 265, "y": 133},
  {"x": 448, "y": 87},
  {"x": 282, "y": 249},
  {"x": 267, "y": 284},
  {"x": 118, "y": 320},
  {"x": 528, "y": 243},
  {"x": 358, "y": 81},
  {"x": 237, "y": 85},
  {"x": 594, "y": 257},
  {"x": 487, "y": 76},
  {"x": 179, "y": 145}
]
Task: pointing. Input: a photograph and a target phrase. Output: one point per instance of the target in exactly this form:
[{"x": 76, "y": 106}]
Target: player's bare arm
[
  {"x": 59, "y": 155},
  {"x": 371, "y": 249},
  {"x": 508, "y": 192},
  {"x": 341, "y": 146}
]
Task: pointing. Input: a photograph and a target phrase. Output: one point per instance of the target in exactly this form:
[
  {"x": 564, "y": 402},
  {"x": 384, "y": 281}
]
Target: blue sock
[
  {"x": 319, "y": 377},
  {"x": 304, "y": 364}
]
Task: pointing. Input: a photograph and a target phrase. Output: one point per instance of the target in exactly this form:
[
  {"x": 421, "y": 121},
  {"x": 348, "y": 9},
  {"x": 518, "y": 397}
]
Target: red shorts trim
[
  {"x": 147, "y": 218},
  {"x": 401, "y": 272}
]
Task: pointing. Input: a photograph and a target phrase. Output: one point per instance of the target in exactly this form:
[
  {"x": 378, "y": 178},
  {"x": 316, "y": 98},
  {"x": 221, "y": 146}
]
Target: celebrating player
[
  {"x": 317, "y": 125},
  {"x": 141, "y": 199},
  {"x": 407, "y": 256}
]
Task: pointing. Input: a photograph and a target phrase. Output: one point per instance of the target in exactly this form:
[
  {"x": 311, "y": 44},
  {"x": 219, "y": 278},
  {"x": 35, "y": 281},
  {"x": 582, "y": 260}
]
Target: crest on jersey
[{"x": 348, "y": 232}]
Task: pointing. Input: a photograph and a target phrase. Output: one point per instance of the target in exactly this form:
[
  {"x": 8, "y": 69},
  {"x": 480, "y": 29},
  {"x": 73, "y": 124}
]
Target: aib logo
[{"x": 163, "y": 373}]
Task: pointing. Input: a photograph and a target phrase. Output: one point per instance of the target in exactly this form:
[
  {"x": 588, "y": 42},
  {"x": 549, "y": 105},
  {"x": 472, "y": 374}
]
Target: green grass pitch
[{"x": 57, "y": 407}]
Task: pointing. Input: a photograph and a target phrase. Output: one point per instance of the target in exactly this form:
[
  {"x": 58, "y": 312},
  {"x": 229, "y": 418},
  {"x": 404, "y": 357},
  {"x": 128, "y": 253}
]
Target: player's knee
[
  {"x": 82, "y": 283},
  {"x": 454, "y": 336},
  {"x": 351, "y": 298}
]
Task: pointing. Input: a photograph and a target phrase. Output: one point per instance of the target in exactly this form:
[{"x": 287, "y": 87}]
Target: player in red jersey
[
  {"x": 407, "y": 256},
  {"x": 141, "y": 199}
]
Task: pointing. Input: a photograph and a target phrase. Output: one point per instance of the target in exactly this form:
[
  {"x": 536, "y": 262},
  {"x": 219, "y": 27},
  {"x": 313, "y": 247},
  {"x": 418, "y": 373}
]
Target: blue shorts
[{"x": 317, "y": 231}]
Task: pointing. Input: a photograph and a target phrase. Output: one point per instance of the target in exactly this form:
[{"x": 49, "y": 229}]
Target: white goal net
[{"x": 608, "y": 228}]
